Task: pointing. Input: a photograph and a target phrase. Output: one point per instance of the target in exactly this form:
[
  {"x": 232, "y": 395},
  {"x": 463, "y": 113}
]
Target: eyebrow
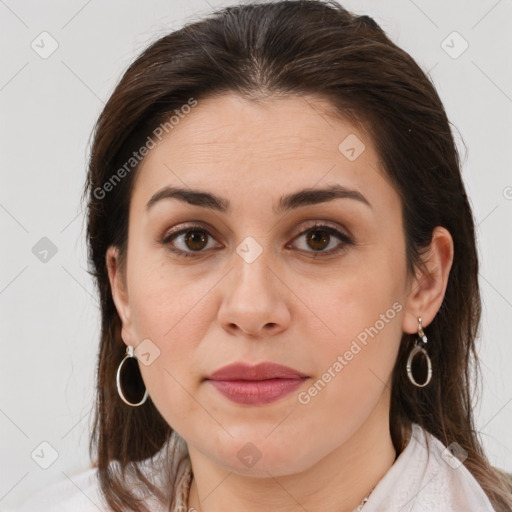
[{"x": 304, "y": 197}]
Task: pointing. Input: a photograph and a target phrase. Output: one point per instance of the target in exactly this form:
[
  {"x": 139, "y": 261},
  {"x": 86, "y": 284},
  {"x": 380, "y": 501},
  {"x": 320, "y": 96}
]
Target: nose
[{"x": 254, "y": 299}]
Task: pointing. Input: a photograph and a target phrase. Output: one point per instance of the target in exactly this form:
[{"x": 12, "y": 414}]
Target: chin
[{"x": 263, "y": 456}]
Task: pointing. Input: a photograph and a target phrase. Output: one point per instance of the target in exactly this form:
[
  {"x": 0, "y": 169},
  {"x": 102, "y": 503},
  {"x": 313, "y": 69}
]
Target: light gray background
[{"x": 49, "y": 312}]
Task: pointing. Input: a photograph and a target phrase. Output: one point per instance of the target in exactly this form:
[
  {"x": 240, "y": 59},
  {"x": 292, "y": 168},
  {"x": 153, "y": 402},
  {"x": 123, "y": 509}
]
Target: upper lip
[{"x": 260, "y": 371}]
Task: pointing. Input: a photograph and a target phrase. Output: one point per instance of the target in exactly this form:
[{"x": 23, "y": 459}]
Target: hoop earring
[
  {"x": 419, "y": 348},
  {"x": 129, "y": 354}
]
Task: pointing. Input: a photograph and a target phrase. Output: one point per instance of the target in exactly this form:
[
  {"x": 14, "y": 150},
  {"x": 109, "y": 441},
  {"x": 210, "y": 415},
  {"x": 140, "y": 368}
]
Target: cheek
[
  {"x": 363, "y": 311},
  {"x": 161, "y": 301},
  {"x": 173, "y": 376},
  {"x": 174, "y": 321},
  {"x": 357, "y": 359},
  {"x": 174, "y": 316}
]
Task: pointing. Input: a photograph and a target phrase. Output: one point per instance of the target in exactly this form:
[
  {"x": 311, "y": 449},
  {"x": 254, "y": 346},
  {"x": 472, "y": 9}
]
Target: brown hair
[{"x": 282, "y": 48}]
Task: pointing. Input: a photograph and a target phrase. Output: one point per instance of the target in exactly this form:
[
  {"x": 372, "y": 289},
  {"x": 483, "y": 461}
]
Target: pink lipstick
[{"x": 256, "y": 385}]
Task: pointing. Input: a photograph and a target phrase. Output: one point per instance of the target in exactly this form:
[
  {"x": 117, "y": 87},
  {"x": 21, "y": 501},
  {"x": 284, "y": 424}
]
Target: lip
[
  {"x": 261, "y": 371},
  {"x": 256, "y": 384}
]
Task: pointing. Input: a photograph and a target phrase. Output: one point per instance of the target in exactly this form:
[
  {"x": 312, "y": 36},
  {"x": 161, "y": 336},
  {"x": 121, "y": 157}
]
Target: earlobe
[
  {"x": 118, "y": 285},
  {"x": 429, "y": 285}
]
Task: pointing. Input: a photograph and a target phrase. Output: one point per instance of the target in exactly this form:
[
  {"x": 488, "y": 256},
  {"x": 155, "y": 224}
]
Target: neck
[{"x": 336, "y": 483}]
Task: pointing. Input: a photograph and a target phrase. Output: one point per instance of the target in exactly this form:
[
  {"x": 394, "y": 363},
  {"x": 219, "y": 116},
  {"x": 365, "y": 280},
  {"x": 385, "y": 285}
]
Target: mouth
[
  {"x": 256, "y": 392},
  {"x": 259, "y": 384}
]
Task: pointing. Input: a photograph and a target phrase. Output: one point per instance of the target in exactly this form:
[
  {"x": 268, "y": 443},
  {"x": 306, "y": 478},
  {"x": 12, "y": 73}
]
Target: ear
[
  {"x": 427, "y": 289},
  {"x": 119, "y": 292}
]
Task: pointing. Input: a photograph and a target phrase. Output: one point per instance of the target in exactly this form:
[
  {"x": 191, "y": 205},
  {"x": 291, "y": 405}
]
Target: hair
[{"x": 281, "y": 49}]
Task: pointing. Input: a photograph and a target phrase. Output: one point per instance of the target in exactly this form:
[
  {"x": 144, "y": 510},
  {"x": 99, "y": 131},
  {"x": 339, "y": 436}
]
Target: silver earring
[
  {"x": 129, "y": 354},
  {"x": 419, "y": 348}
]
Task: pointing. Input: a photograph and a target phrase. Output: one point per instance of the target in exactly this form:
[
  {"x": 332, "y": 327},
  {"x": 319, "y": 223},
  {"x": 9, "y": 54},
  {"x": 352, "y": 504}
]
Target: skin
[{"x": 291, "y": 305}]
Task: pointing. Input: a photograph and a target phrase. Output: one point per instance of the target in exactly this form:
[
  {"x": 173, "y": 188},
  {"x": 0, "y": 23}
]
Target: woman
[{"x": 286, "y": 261}]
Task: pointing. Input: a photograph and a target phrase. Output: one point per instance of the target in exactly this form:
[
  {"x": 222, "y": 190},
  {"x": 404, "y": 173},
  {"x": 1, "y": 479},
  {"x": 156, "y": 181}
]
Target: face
[{"x": 317, "y": 284}]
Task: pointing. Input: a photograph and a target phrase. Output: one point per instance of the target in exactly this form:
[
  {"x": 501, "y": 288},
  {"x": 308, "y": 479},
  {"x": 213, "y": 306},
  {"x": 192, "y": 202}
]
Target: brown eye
[
  {"x": 188, "y": 241},
  {"x": 321, "y": 239}
]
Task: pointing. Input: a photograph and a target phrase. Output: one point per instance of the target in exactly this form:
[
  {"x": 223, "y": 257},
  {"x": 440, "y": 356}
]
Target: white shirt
[{"x": 422, "y": 479}]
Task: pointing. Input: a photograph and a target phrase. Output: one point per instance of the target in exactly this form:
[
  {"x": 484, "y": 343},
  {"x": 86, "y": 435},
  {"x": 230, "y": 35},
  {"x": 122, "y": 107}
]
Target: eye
[
  {"x": 188, "y": 241},
  {"x": 319, "y": 237}
]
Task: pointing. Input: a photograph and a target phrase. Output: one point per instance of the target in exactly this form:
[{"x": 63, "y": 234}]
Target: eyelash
[{"x": 345, "y": 240}]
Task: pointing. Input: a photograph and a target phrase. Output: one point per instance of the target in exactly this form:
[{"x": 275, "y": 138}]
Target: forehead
[{"x": 238, "y": 147}]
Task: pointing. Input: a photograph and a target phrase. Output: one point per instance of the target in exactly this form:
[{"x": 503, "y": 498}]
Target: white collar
[{"x": 427, "y": 477}]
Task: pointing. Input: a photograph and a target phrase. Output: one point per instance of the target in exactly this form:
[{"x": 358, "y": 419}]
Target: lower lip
[{"x": 256, "y": 392}]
